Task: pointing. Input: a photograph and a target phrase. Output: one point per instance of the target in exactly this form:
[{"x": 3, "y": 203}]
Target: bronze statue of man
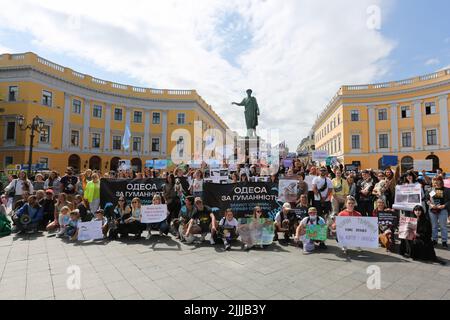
[{"x": 251, "y": 113}]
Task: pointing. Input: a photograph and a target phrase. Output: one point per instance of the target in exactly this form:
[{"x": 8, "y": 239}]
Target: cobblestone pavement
[{"x": 35, "y": 267}]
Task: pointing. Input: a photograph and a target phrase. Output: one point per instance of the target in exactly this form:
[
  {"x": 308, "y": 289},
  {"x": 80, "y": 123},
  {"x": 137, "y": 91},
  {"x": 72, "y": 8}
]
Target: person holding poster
[
  {"x": 228, "y": 229},
  {"x": 323, "y": 189},
  {"x": 196, "y": 187},
  {"x": 349, "y": 211},
  {"x": 133, "y": 222},
  {"x": 203, "y": 218},
  {"x": 422, "y": 247},
  {"x": 163, "y": 226},
  {"x": 282, "y": 222},
  {"x": 439, "y": 203},
  {"x": 387, "y": 224},
  {"x": 300, "y": 234},
  {"x": 184, "y": 217}
]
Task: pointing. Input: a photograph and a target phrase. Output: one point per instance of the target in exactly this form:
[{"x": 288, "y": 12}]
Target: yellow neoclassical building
[
  {"x": 85, "y": 117},
  {"x": 407, "y": 118}
]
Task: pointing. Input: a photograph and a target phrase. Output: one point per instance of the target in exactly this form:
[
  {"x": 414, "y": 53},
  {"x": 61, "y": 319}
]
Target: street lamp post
[{"x": 36, "y": 125}]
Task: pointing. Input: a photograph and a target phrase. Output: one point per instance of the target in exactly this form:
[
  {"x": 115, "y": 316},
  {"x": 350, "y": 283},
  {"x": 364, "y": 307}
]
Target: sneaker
[
  {"x": 30, "y": 231},
  {"x": 228, "y": 247},
  {"x": 323, "y": 246},
  {"x": 444, "y": 244},
  {"x": 344, "y": 250},
  {"x": 306, "y": 252},
  {"x": 149, "y": 235},
  {"x": 189, "y": 239},
  {"x": 212, "y": 242},
  {"x": 435, "y": 243},
  {"x": 286, "y": 238},
  {"x": 246, "y": 247},
  {"x": 275, "y": 238}
]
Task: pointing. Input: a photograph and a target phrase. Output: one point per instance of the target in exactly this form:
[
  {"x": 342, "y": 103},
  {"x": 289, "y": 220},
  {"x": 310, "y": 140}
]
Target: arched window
[
  {"x": 436, "y": 161},
  {"x": 95, "y": 163},
  {"x": 74, "y": 161},
  {"x": 407, "y": 163}
]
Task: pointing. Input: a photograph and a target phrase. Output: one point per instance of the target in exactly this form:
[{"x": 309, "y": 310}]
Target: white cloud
[
  {"x": 296, "y": 55},
  {"x": 432, "y": 62}
]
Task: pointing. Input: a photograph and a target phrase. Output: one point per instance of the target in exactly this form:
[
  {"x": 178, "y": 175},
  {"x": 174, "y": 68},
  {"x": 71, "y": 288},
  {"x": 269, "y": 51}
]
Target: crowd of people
[{"x": 58, "y": 203}]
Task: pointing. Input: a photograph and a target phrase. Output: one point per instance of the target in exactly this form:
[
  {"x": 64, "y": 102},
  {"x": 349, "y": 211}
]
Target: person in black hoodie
[{"x": 422, "y": 246}]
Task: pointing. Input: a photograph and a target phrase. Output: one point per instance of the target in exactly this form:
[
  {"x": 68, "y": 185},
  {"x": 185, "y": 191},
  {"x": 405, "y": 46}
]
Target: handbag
[{"x": 12, "y": 192}]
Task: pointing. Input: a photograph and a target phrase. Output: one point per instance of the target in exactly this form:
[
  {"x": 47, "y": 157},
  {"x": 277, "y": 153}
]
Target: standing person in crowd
[
  {"x": 92, "y": 193},
  {"x": 18, "y": 186},
  {"x": 10, "y": 194},
  {"x": 302, "y": 207},
  {"x": 422, "y": 247},
  {"x": 244, "y": 177},
  {"x": 39, "y": 182},
  {"x": 203, "y": 220},
  {"x": 323, "y": 189},
  {"x": 340, "y": 192},
  {"x": 274, "y": 178},
  {"x": 163, "y": 226},
  {"x": 351, "y": 185},
  {"x": 390, "y": 183},
  {"x": 82, "y": 205},
  {"x": 302, "y": 186},
  {"x": 5, "y": 224},
  {"x": 86, "y": 177},
  {"x": 228, "y": 229},
  {"x": 300, "y": 233},
  {"x": 60, "y": 203},
  {"x": 68, "y": 183},
  {"x": 28, "y": 217},
  {"x": 171, "y": 198},
  {"x": 309, "y": 181},
  {"x": 134, "y": 221},
  {"x": 364, "y": 191},
  {"x": 439, "y": 204},
  {"x": 53, "y": 183},
  {"x": 184, "y": 217},
  {"x": 348, "y": 212},
  {"x": 379, "y": 190},
  {"x": 234, "y": 178}
]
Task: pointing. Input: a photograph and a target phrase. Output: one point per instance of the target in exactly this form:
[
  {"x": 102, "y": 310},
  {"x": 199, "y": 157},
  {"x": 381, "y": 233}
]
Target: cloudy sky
[{"x": 294, "y": 54}]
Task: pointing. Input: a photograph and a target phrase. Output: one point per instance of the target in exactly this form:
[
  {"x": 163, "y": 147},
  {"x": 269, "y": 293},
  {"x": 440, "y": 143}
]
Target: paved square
[{"x": 35, "y": 267}]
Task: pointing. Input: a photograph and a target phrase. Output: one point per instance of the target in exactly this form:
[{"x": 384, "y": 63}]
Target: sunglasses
[
  {"x": 121, "y": 200},
  {"x": 134, "y": 202},
  {"x": 258, "y": 211}
]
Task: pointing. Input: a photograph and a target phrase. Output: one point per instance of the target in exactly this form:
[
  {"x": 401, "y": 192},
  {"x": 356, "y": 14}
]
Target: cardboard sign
[
  {"x": 91, "y": 230},
  {"x": 420, "y": 165},
  {"x": 407, "y": 228},
  {"x": 357, "y": 232},
  {"x": 316, "y": 232},
  {"x": 154, "y": 213}
]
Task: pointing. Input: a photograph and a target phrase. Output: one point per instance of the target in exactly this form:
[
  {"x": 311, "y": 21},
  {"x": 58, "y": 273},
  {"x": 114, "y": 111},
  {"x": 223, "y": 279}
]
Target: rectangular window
[
  {"x": 75, "y": 138},
  {"x": 432, "y": 137},
  {"x": 137, "y": 144},
  {"x": 156, "y": 118},
  {"x": 9, "y": 160},
  {"x": 406, "y": 112},
  {"x": 382, "y": 114},
  {"x": 13, "y": 93},
  {"x": 383, "y": 140},
  {"x": 96, "y": 140},
  {"x": 355, "y": 115},
  {"x": 118, "y": 115},
  {"x": 117, "y": 142},
  {"x": 406, "y": 139},
  {"x": 11, "y": 130},
  {"x": 155, "y": 144},
  {"x": 339, "y": 119},
  {"x": 138, "y": 117},
  {"x": 181, "y": 118},
  {"x": 339, "y": 143},
  {"x": 430, "y": 108},
  {"x": 45, "y": 134},
  {"x": 97, "y": 111},
  {"x": 355, "y": 142},
  {"x": 47, "y": 98},
  {"x": 76, "y": 106}
]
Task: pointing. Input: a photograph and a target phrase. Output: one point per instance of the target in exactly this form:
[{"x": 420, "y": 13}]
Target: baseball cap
[{"x": 49, "y": 191}]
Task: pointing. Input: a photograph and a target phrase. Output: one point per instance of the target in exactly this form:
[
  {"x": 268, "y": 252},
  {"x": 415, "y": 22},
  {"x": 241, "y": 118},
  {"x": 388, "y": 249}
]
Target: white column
[
  {"x": 128, "y": 123},
  {"x": 86, "y": 124},
  {"x": 164, "y": 135},
  {"x": 147, "y": 133},
  {"x": 107, "y": 143},
  {"x": 443, "y": 111},
  {"x": 66, "y": 124},
  {"x": 372, "y": 130},
  {"x": 418, "y": 124},
  {"x": 394, "y": 126}
]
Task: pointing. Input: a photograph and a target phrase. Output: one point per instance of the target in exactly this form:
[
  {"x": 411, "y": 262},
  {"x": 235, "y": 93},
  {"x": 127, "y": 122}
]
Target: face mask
[{"x": 313, "y": 218}]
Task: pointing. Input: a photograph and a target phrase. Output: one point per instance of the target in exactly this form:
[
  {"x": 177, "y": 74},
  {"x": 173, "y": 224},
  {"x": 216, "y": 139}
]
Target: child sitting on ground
[
  {"x": 227, "y": 229},
  {"x": 63, "y": 221},
  {"x": 72, "y": 226},
  {"x": 100, "y": 216}
]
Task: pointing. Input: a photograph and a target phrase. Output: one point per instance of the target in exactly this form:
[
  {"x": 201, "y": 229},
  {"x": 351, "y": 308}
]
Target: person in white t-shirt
[
  {"x": 323, "y": 189},
  {"x": 300, "y": 235},
  {"x": 309, "y": 181},
  {"x": 227, "y": 228},
  {"x": 196, "y": 187}
]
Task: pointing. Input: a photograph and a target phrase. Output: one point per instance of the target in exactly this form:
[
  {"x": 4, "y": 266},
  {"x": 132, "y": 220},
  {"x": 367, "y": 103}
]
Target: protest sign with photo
[
  {"x": 243, "y": 197},
  {"x": 356, "y": 232},
  {"x": 407, "y": 228},
  {"x": 124, "y": 164},
  {"x": 319, "y": 155},
  {"x": 154, "y": 213},
  {"x": 387, "y": 219},
  {"x": 256, "y": 231},
  {"x": 91, "y": 230},
  {"x": 407, "y": 197},
  {"x": 420, "y": 165},
  {"x": 219, "y": 175},
  {"x": 287, "y": 189},
  {"x": 316, "y": 232}
]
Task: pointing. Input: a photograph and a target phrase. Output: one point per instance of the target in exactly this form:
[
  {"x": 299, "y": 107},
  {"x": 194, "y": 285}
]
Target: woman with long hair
[
  {"x": 439, "y": 203},
  {"x": 60, "y": 203},
  {"x": 17, "y": 187},
  {"x": 171, "y": 198}
]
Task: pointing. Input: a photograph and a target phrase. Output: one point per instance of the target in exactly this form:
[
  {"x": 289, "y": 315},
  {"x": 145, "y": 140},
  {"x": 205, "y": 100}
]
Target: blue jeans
[{"x": 439, "y": 220}]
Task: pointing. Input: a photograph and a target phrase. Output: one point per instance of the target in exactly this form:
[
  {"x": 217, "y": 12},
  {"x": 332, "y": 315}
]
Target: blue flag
[{"x": 126, "y": 138}]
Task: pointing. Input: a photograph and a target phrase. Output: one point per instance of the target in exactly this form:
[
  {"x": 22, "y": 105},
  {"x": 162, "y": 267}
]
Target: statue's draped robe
[{"x": 251, "y": 112}]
